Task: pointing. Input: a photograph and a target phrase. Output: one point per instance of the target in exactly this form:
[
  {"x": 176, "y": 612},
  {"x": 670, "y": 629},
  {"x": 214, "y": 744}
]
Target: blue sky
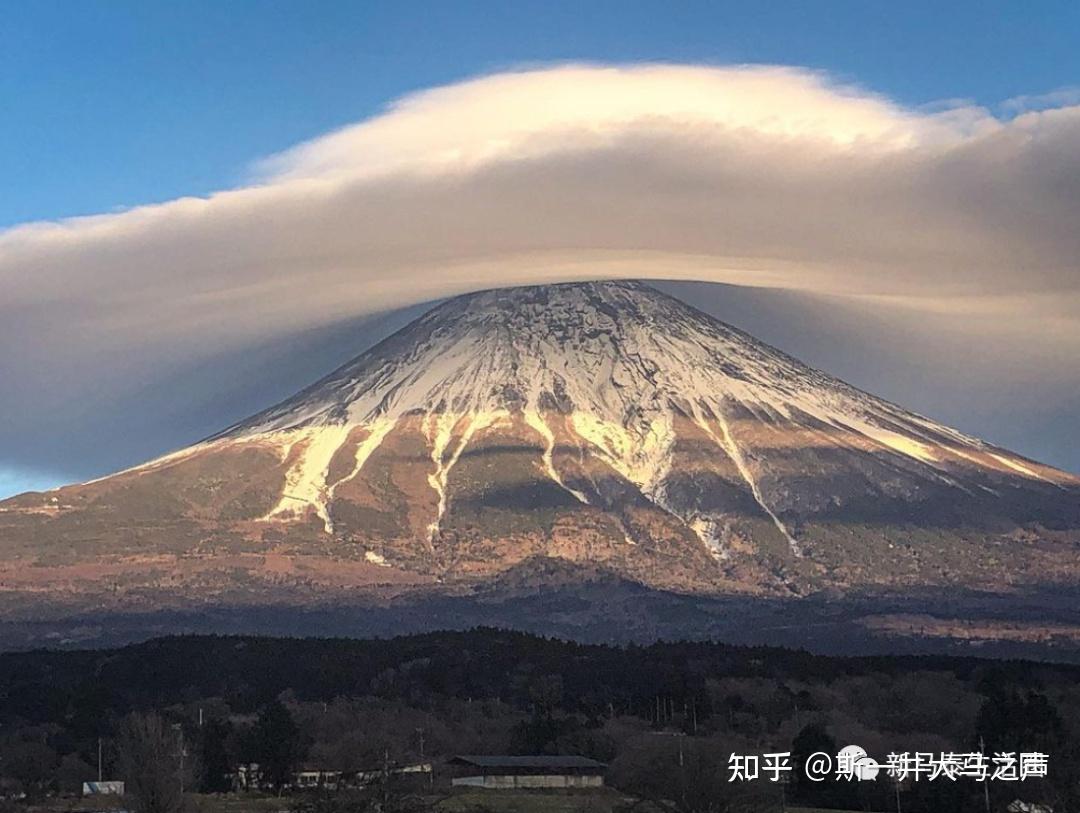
[
  {"x": 108, "y": 105},
  {"x": 112, "y": 104}
]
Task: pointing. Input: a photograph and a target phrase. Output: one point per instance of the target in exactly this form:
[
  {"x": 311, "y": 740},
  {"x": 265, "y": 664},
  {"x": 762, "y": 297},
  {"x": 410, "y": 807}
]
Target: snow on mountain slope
[
  {"x": 623, "y": 360},
  {"x": 611, "y": 423}
]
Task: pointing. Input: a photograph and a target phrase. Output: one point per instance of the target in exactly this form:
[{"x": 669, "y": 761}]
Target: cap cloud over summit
[{"x": 764, "y": 176}]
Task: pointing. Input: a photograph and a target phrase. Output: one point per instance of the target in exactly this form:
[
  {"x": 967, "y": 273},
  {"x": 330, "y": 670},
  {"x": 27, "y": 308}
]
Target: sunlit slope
[{"x": 601, "y": 423}]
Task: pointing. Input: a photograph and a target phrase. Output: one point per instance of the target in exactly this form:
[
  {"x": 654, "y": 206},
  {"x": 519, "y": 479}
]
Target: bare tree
[
  {"x": 152, "y": 763},
  {"x": 674, "y": 775}
]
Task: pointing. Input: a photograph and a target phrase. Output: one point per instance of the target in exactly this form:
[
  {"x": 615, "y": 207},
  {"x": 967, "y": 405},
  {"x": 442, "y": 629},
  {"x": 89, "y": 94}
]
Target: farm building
[{"x": 528, "y": 772}]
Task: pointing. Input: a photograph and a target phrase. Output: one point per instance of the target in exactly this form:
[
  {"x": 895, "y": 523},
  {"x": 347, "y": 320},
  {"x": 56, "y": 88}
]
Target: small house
[
  {"x": 1020, "y": 806},
  {"x": 314, "y": 777},
  {"x": 102, "y": 788}
]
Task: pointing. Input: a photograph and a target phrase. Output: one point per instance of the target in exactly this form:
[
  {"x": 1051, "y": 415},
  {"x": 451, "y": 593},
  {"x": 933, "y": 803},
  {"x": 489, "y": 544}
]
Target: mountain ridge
[{"x": 605, "y": 424}]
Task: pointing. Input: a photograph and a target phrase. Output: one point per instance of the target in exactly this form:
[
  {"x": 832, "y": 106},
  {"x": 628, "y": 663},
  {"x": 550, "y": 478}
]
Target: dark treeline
[
  {"x": 41, "y": 685},
  {"x": 349, "y": 705}
]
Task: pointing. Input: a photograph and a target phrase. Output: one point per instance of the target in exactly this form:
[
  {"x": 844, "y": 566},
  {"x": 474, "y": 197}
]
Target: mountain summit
[{"x": 602, "y": 424}]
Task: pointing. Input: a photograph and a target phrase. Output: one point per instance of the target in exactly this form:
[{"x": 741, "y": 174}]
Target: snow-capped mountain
[{"x": 604, "y": 424}]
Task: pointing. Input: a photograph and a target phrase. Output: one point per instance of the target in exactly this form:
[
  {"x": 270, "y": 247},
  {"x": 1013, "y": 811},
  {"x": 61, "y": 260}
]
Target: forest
[{"x": 665, "y": 718}]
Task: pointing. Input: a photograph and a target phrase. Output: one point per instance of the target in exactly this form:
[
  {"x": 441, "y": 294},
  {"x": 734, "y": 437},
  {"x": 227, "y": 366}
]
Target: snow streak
[
  {"x": 536, "y": 421},
  {"x": 727, "y": 443},
  {"x": 621, "y": 363}
]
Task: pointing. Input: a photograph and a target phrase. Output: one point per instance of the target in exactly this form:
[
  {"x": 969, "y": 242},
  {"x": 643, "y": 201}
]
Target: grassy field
[
  {"x": 497, "y": 801},
  {"x": 460, "y": 800}
]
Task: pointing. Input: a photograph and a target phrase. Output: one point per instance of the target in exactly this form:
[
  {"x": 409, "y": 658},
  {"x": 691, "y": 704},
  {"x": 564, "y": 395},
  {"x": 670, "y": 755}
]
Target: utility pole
[
  {"x": 431, "y": 773},
  {"x": 682, "y": 769},
  {"x": 986, "y": 785},
  {"x": 100, "y": 777},
  {"x": 180, "y": 742},
  {"x": 386, "y": 779}
]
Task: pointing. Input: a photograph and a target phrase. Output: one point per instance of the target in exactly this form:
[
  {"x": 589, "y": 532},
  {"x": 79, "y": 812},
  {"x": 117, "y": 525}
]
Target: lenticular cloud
[{"x": 751, "y": 175}]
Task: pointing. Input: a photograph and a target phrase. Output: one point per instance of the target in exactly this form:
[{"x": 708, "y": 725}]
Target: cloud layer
[{"x": 758, "y": 176}]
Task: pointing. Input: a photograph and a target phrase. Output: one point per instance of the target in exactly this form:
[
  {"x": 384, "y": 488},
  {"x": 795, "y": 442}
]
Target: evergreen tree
[
  {"x": 276, "y": 744},
  {"x": 215, "y": 756}
]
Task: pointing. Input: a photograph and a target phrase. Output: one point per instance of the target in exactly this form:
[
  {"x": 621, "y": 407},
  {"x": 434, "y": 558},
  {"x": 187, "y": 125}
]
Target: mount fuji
[{"x": 555, "y": 431}]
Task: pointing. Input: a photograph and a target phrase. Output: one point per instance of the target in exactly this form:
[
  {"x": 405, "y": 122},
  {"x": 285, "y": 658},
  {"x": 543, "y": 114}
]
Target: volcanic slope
[{"x": 603, "y": 424}]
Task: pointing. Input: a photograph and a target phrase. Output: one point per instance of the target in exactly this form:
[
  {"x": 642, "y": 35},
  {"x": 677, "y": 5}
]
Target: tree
[
  {"x": 31, "y": 763},
  {"x": 1010, "y": 721},
  {"x": 276, "y": 744},
  {"x": 72, "y": 772},
  {"x": 151, "y": 761},
  {"x": 687, "y": 775},
  {"x": 829, "y": 793},
  {"x": 213, "y": 747}
]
